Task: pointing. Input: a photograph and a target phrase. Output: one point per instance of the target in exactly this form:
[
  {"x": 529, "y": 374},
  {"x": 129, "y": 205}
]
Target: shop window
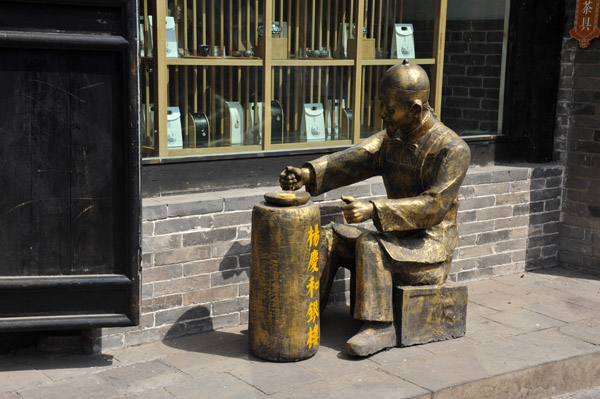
[{"x": 259, "y": 75}]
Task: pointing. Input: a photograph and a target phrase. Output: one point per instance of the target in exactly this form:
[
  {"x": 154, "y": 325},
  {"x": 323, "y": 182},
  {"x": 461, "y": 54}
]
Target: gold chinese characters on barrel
[{"x": 284, "y": 318}]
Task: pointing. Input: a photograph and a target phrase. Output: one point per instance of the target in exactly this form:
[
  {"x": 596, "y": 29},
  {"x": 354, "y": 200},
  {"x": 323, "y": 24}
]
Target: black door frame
[{"x": 111, "y": 299}]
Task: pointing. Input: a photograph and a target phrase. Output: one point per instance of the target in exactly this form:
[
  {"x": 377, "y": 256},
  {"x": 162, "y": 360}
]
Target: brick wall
[
  {"x": 472, "y": 68},
  {"x": 196, "y": 247},
  {"x": 508, "y": 221},
  {"x": 577, "y": 145}
]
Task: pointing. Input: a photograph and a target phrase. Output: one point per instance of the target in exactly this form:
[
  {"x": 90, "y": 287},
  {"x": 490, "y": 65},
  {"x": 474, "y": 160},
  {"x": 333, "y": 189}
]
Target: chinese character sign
[
  {"x": 312, "y": 287},
  {"x": 586, "y": 22}
]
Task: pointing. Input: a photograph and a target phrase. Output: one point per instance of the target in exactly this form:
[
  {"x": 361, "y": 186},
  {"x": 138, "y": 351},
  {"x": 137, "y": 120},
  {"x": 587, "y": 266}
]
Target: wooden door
[{"x": 69, "y": 164}]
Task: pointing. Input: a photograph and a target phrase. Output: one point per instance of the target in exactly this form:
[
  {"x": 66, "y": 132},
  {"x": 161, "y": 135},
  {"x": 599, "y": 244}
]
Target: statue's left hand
[{"x": 356, "y": 211}]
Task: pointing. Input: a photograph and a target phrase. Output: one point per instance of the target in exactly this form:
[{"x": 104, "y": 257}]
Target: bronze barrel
[{"x": 284, "y": 322}]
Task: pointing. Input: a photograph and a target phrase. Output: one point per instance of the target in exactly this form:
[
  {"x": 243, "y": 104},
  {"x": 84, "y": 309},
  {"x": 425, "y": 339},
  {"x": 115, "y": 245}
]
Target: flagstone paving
[{"x": 529, "y": 335}]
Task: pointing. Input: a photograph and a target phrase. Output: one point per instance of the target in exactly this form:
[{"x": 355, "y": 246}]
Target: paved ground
[
  {"x": 530, "y": 335},
  {"x": 589, "y": 394}
]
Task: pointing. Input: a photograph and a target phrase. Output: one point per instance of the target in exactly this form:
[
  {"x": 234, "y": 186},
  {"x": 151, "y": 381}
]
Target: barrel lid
[{"x": 287, "y": 198}]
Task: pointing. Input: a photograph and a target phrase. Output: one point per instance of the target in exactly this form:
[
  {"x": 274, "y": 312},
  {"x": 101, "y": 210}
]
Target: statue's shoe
[{"x": 372, "y": 337}]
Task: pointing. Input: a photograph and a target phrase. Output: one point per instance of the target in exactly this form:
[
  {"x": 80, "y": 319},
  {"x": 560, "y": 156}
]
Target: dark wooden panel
[
  {"x": 127, "y": 5},
  {"x": 72, "y": 41},
  {"x": 170, "y": 176},
  {"x": 69, "y": 164},
  {"x": 15, "y": 164},
  {"x": 545, "y": 77},
  {"x": 49, "y": 122},
  {"x": 40, "y": 323},
  {"x": 218, "y": 174},
  {"x": 97, "y": 156},
  {"x": 60, "y": 18},
  {"x": 532, "y": 74},
  {"x": 34, "y": 115},
  {"x": 30, "y": 282},
  {"x": 62, "y": 301},
  {"x": 64, "y": 141},
  {"x": 518, "y": 69}
]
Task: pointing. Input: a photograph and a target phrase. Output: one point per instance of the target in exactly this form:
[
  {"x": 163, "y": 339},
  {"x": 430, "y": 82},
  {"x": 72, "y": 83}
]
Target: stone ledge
[{"x": 243, "y": 198}]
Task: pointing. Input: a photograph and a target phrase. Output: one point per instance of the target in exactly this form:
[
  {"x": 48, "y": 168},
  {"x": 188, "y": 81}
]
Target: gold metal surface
[
  {"x": 430, "y": 313},
  {"x": 287, "y": 198},
  {"x": 406, "y": 82},
  {"x": 284, "y": 318},
  {"x": 422, "y": 163}
]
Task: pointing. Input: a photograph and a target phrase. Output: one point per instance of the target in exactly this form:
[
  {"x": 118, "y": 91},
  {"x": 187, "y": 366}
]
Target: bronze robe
[{"x": 422, "y": 174}]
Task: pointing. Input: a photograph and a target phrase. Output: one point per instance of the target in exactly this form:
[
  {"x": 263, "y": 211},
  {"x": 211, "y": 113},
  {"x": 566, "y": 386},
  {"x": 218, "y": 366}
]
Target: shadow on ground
[
  {"x": 563, "y": 272},
  {"x": 336, "y": 328},
  {"x": 336, "y": 324},
  {"x": 31, "y": 359}
]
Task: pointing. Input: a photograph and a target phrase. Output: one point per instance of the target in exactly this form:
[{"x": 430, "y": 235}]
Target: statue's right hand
[{"x": 291, "y": 178}]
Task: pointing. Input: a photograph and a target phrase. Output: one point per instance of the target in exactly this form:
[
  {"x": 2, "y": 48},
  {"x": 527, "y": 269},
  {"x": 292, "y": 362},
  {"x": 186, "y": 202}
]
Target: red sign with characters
[{"x": 586, "y": 22}]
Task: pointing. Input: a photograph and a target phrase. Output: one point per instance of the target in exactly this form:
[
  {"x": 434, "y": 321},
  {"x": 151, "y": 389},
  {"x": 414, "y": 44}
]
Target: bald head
[{"x": 406, "y": 82}]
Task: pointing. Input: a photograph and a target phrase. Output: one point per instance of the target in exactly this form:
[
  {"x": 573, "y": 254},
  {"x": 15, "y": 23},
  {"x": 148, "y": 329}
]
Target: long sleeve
[
  {"x": 430, "y": 207},
  {"x": 352, "y": 165}
]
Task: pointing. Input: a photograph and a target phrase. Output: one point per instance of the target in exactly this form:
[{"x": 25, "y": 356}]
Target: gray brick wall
[
  {"x": 508, "y": 221},
  {"x": 577, "y": 145},
  {"x": 196, "y": 247},
  {"x": 472, "y": 68}
]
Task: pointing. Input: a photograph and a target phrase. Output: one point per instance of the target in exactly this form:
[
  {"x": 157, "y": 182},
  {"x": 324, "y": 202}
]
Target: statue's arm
[
  {"x": 431, "y": 206},
  {"x": 343, "y": 168}
]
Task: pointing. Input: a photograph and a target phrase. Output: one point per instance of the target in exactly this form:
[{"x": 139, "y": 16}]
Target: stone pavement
[
  {"x": 589, "y": 394},
  {"x": 529, "y": 335}
]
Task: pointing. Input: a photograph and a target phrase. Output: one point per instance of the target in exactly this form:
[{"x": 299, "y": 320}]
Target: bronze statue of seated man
[{"x": 422, "y": 163}]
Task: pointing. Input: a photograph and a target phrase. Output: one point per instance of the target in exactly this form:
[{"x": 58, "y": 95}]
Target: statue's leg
[
  {"x": 422, "y": 273},
  {"x": 328, "y": 265},
  {"x": 336, "y": 249},
  {"x": 374, "y": 303},
  {"x": 374, "y": 283}
]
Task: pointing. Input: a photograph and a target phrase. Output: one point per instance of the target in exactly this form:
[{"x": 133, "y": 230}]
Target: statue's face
[{"x": 395, "y": 114}]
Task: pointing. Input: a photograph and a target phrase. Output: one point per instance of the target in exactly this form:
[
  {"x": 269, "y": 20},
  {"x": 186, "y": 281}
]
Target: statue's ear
[{"x": 416, "y": 108}]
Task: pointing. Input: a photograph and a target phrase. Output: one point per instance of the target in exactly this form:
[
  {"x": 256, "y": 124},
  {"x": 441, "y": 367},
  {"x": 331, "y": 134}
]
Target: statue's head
[{"x": 404, "y": 95}]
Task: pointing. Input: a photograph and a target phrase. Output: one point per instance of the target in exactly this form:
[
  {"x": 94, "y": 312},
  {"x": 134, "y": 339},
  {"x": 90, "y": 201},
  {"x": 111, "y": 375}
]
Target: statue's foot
[{"x": 372, "y": 337}]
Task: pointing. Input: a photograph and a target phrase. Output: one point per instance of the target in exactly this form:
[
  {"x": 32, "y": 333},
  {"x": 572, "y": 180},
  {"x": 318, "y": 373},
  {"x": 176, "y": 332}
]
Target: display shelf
[
  {"x": 316, "y": 102},
  {"x": 341, "y": 143},
  {"x": 391, "y": 62},
  {"x": 225, "y": 61},
  {"x": 312, "y": 62},
  {"x": 279, "y": 83},
  {"x": 213, "y": 150}
]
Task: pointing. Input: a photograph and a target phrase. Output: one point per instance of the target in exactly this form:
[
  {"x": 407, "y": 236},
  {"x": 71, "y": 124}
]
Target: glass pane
[
  {"x": 147, "y": 95},
  {"x": 312, "y": 100},
  {"x": 210, "y": 107},
  {"x": 370, "y": 121},
  {"x": 230, "y": 98},
  {"x": 421, "y": 15},
  {"x": 318, "y": 29},
  {"x": 205, "y": 28},
  {"x": 315, "y": 104},
  {"x": 217, "y": 28},
  {"x": 473, "y": 66},
  {"x": 399, "y": 29},
  {"x": 144, "y": 34}
]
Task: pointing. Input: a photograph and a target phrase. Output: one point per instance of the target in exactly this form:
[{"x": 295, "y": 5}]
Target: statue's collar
[{"x": 418, "y": 132}]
